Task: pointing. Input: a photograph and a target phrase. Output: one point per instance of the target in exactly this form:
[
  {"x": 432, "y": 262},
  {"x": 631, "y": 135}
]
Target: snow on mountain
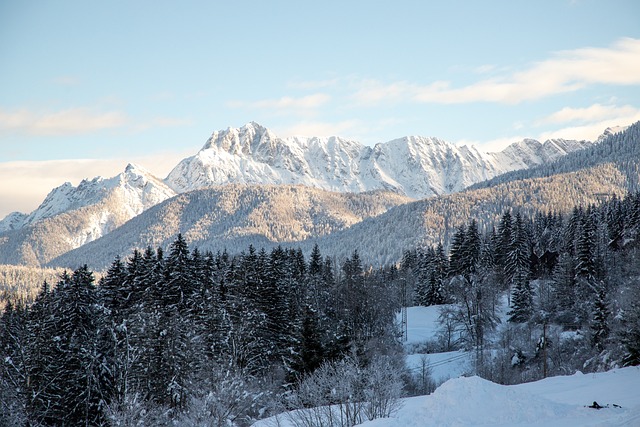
[
  {"x": 13, "y": 221},
  {"x": 254, "y": 155},
  {"x": 136, "y": 188},
  {"x": 415, "y": 166},
  {"x": 529, "y": 152},
  {"x": 611, "y": 131},
  {"x": 233, "y": 216},
  {"x": 71, "y": 216}
]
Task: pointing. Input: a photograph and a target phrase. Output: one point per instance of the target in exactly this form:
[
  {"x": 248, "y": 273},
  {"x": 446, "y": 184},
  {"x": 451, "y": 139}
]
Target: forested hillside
[
  {"x": 621, "y": 149},
  {"x": 233, "y": 217},
  {"x": 20, "y": 283},
  {"x": 382, "y": 239},
  {"x": 180, "y": 337},
  {"x": 184, "y": 333},
  {"x": 380, "y": 225},
  {"x": 572, "y": 283}
]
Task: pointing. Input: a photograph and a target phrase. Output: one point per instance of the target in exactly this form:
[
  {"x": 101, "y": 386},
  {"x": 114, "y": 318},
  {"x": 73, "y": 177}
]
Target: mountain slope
[
  {"x": 233, "y": 217},
  {"x": 379, "y": 225},
  {"x": 620, "y": 146},
  {"x": 71, "y": 216},
  {"x": 417, "y": 167},
  {"x": 383, "y": 239}
]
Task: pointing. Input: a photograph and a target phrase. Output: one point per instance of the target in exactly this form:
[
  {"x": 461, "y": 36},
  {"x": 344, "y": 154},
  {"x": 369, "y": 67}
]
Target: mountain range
[{"x": 248, "y": 185}]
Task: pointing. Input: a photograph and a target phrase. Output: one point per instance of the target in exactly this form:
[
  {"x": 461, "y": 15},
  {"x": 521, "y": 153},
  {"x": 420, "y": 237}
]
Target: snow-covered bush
[{"x": 343, "y": 393}]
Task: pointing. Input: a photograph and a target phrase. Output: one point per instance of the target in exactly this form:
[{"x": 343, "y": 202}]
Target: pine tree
[
  {"x": 456, "y": 252},
  {"x": 69, "y": 377},
  {"x": 630, "y": 332},
  {"x": 13, "y": 370},
  {"x": 564, "y": 288},
  {"x": 112, "y": 291},
  {"x": 177, "y": 287},
  {"x": 600, "y": 323},
  {"x": 585, "y": 271},
  {"x": 502, "y": 247},
  {"x": 471, "y": 248},
  {"x": 518, "y": 270}
]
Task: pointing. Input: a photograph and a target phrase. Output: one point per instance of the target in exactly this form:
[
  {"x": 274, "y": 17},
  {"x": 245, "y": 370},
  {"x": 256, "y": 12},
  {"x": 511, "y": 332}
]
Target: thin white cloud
[
  {"x": 314, "y": 84},
  {"x": 172, "y": 121},
  {"x": 66, "y": 80},
  {"x": 285, "y": 103},
  {"x": 565, "y": 71},
  {"x": 591, "y": 130},
  {"x": 66, "y": 122},
  {"x": 484, "y": 69},
  {"x": 595, "y": 112},
  {"x": 164, "y": 122}
]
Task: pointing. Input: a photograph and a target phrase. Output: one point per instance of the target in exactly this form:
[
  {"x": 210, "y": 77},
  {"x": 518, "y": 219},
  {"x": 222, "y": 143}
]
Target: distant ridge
[{"x": 413, "y": 167}]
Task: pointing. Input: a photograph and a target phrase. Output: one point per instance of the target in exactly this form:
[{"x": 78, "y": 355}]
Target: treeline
[
  {"x": 621, "y": 149},
  {"x": 166, "y": 336},
  {"x": 578, "y": 272},
  {"x": 183, "y": 337},
  {"x": 22, "y": 283}
]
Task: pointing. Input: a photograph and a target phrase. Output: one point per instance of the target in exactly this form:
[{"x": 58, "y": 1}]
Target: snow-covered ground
[
  {"x": 552, "y": 402},
  {"x": 422, "y": 326},
  {"x": 473, "y": 401},
  {"x": 441, "y": 366}
]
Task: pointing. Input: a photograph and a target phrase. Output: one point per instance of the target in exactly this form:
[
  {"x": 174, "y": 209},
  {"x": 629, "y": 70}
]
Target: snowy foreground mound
[{"x": 557, "y": 401}]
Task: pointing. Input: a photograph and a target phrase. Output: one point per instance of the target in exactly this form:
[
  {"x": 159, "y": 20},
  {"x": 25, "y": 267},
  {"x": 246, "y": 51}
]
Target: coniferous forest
[{"x": 180, "y": 337}]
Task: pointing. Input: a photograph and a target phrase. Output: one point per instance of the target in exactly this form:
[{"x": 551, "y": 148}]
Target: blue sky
[{"x": 86, "y": 87}]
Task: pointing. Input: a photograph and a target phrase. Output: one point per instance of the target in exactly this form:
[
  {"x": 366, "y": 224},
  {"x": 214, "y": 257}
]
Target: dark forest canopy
[{"x": 163, "y": 330}]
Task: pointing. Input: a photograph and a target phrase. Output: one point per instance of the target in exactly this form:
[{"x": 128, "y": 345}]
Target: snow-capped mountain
[
  {"x": 612, "y": 131},
  {"x": 136, "y": 188},
  {"x": 233, "y": 216},
  {"x": 71, "y": 216},
  {"x": 415, "y": 166},
  {"x": 13, "y": 221}
]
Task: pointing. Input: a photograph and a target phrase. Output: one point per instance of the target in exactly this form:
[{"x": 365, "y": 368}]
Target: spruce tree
[
  {"x": 600, "y": 320},
  {"x": 518, "y": 270},
  {"x": 69, "y": 377}
]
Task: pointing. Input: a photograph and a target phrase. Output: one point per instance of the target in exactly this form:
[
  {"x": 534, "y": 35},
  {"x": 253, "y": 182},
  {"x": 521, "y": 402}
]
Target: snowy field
[
  {"x": 422, "y": 325},
  {"x": 552, "y": 402},
  {"x": 442, "y": 366},
  {"x": 472, "y": 401}
]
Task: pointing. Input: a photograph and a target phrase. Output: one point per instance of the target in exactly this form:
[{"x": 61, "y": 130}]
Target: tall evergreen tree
[
  {"x": 600, "y": 320},
  {"x": 518, "y": 270},
  {"x": 70, "y": 377}
]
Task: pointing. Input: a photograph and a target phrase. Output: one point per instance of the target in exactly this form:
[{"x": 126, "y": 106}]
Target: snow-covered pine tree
[
  {"x": 518, "y": 270},
  {"x": 67, "y": 383},
  {"x": 13, "y": 371},
  {"x": 502, "y": 248},
  {"x": 600, "y": 317}
]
